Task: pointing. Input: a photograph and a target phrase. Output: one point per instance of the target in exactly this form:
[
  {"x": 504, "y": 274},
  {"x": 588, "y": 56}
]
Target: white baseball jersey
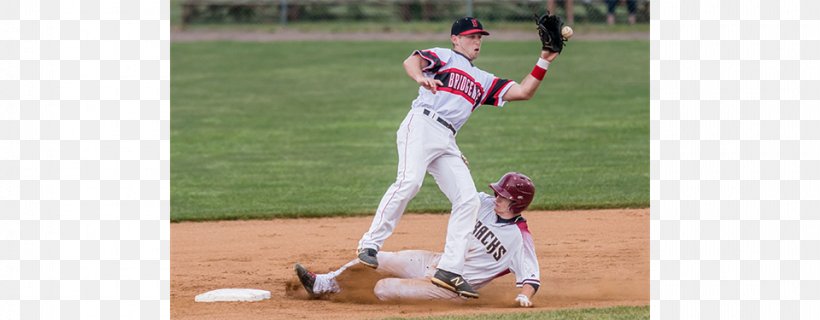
[
  {"x": 465, "y": 86},
  {"x": 499, "y": 247},
  {"x": 496, "y": 248}
]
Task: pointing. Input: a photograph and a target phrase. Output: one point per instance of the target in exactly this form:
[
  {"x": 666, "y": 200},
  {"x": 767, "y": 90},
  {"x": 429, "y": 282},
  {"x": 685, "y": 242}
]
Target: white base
[{"x": 233, "y": 294}]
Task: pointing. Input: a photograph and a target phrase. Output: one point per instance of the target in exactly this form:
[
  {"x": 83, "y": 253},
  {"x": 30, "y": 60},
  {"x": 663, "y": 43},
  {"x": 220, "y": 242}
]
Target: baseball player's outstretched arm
[
  {"x": 524, "y": 298},
  {"x": 414, "y": 65},
  {"x": 528, "y": 290},
  {"x": 526, "y": 89}
]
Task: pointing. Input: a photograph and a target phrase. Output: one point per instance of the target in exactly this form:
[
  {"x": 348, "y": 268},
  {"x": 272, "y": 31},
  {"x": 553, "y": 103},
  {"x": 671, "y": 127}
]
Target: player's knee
[
  {"x": 409, "y": 185},
  {"x": 382, "y": 290}
]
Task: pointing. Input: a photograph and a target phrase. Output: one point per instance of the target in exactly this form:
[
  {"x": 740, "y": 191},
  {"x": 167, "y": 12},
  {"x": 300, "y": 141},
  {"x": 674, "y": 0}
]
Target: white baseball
[{"x": 566, "y": 32}]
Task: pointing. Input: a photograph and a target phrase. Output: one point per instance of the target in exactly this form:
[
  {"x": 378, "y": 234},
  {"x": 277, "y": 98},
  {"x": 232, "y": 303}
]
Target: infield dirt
[{"x": 588, "y": 259}]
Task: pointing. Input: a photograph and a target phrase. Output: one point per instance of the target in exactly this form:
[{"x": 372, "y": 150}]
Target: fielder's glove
[
  {"x": 523, "y": 301},
  {"x": 549, "y": 29}
]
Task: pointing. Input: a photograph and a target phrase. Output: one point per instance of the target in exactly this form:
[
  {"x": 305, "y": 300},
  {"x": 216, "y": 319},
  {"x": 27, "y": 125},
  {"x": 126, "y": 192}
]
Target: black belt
[{"x": 442, "y": 121}]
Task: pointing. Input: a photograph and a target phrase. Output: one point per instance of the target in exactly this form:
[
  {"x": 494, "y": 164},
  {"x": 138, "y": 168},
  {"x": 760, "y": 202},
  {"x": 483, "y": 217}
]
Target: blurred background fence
[{"x": 283, "y": 12}]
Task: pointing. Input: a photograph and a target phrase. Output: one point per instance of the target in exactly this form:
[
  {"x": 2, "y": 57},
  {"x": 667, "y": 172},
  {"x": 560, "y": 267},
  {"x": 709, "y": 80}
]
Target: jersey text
[{"x": 489, "y": 240}]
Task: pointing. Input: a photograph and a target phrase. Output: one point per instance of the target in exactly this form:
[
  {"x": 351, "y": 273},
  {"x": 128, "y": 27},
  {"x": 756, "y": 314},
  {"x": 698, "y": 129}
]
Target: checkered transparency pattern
[
  {"x": 735, "y": 159},
  {"x": 85, "y": 161}
]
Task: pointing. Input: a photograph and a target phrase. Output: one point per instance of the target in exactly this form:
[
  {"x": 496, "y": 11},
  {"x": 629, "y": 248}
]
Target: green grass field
[
  {"x": 290, "y": 129},
  {"x": 388, "y": 24},
  {"x": 404, "y": 27},
  {"x": 615, "y": 313}
]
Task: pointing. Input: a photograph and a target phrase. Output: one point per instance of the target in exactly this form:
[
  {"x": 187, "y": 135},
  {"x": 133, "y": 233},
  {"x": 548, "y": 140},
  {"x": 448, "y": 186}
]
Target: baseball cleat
[
  {"x": 367, "y": 257},
  {"x": 307, "y": 278},
  {"x": 454, "y": 283}
]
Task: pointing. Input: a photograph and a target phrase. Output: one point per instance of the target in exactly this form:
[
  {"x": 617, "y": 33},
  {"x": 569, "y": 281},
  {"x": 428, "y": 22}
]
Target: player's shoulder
[
  {"x": 442, "y": 53},
  {"x": 523, "y": 227},
  {"x": 524, "y": 232},
  {"x": 487, "y": 204},
  {"x": 440, "y": 49}
]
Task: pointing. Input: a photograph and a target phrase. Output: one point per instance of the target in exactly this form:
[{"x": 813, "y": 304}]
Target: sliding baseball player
[{"x": 500, "y": 243}]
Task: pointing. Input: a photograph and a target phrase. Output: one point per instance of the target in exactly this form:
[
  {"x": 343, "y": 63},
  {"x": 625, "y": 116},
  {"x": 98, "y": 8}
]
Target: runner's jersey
[
  {"x": 498, "y": 247},
  {"x": 465, "y": 86}
]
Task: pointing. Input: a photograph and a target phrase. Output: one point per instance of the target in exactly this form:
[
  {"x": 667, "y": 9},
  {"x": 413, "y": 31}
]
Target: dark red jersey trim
[
  {"x": 496, "y": 88},
  {"x": 492, "y": 85},
  {"x": 435, "y": 62},
  {"x": 522, "y": 225},
  {"x": 528, "y": 281},
  {"x": 495, "y": 97},
  {"x": 454, "y": 91},
  {"x": 432, "y": 53}
]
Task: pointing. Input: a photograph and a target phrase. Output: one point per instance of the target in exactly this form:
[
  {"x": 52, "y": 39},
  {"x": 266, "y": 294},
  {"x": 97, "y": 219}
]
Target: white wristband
[{"x": 544, "y": 64}]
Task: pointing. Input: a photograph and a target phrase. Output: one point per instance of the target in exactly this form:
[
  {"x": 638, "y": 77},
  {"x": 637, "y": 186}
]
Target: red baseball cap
[{"x": 467, "y": 25}]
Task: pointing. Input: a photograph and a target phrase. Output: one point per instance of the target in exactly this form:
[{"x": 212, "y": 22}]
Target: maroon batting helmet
[{"x": 516, "y": 187}]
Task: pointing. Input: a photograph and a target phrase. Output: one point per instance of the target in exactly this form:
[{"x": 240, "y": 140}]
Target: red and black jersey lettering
[
  {"x": 435, "y": 63},
  {"x": 495, "y": 89},
  {"x": 460, "y": 83}
]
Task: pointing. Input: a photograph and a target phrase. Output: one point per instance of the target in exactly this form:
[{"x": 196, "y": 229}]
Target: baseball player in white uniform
[
  {"x": 499, "y": 243},
  {"x": 451, "y": 88}
]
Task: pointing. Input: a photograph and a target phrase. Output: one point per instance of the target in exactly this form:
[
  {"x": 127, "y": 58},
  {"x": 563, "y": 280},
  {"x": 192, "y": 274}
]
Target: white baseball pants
[
  {"x": 411, "y": 271},
  {"x": 425, "y": 145}
]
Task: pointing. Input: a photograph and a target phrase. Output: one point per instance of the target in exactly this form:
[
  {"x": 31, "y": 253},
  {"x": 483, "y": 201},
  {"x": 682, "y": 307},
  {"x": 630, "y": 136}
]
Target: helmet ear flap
[{"x": 513, "y": 206}]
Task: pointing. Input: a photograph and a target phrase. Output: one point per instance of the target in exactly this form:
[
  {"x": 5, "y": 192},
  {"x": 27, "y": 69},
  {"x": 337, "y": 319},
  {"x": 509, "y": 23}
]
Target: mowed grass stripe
[
  {"x": 613, "y": 313},
  {"x": 290, "y": 129}
]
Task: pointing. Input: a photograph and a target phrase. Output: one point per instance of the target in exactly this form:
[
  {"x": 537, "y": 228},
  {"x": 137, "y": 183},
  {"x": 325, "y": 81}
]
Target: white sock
[{"x": 326, "y": 282}]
